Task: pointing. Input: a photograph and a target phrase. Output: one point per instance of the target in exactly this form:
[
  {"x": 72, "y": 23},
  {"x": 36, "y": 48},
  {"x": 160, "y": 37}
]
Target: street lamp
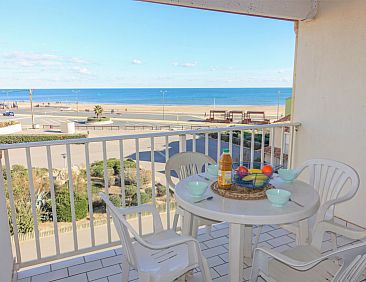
[
  {"x": 31, "y": 105},
  {"x": 163, "y": 92},
  {"x": 278, "y": 103},
  {"x": 77, "y": 100}
]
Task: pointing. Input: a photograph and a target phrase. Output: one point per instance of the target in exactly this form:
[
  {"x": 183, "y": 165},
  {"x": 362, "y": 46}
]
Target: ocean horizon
[{"x": 154, "y": 96}]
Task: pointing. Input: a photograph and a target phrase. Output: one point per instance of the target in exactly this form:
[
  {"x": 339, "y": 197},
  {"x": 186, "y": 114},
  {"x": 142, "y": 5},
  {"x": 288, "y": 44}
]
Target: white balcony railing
[{"x": 150, "y": 151}]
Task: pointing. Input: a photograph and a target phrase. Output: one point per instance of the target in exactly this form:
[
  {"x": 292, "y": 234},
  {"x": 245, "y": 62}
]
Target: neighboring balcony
[{"x": 55, "y": 212}]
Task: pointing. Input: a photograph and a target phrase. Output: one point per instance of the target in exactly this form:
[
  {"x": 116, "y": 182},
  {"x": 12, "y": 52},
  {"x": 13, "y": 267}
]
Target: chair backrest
[
  {"x": 186, "y": 164},
  {"x": 122, "y": 227},
  {"x": 328, "y": 177},
  {"x": 354, "y": 270}
]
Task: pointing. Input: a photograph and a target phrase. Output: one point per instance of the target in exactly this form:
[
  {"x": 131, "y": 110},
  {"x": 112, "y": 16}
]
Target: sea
[{"x": 154, "y": 96}]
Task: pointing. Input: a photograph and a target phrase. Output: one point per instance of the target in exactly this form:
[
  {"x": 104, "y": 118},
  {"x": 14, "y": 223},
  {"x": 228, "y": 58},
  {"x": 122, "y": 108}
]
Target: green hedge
[
  {"x": 63, "y": 207},
  {"x": 95, "y": 119},
  {"x": 20, "y": 138}
]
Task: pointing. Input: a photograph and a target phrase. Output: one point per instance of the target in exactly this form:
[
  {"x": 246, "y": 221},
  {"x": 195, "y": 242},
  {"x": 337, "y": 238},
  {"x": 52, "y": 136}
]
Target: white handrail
[{"x": 143, "y": 135}]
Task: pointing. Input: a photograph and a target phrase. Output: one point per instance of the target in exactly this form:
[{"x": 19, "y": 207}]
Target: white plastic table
[{"x": 242, "y": 215}]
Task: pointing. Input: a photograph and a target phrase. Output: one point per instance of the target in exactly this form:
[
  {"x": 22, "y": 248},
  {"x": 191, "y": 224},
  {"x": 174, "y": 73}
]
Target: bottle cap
[{"x": 226, "y": 151}]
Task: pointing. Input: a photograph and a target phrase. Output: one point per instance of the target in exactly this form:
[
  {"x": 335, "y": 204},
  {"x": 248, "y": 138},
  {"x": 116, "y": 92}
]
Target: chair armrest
[
  {"x": 137, "y": 209},
  {"x": 280, "y": 257},
  {"x": 150, "y": 208},
  {"x": 262, "y": 256},
  {"x": 326, "y": 226},
  {"x": 296, "y": 264},
  {"x": 325, "y": 207}
]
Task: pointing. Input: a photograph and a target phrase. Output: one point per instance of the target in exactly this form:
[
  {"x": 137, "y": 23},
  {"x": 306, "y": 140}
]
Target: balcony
[{"x": 86, "y": 247}]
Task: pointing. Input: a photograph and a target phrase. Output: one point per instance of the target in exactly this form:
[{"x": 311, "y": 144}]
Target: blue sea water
[{"x": 153, "y": 96}]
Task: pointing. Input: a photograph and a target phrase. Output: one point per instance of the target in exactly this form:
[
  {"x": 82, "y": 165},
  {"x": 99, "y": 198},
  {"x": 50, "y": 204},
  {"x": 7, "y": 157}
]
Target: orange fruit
[{"x": 267, "y": 170}]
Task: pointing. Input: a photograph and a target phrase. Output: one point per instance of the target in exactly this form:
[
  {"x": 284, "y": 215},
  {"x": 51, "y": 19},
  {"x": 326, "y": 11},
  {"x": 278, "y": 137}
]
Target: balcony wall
[{"x": 330, "y": 95}]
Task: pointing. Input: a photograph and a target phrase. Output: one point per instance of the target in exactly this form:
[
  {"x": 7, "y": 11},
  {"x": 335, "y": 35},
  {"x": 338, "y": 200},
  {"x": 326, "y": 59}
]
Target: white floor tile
[
  {"x": 67, "y": 263},
  {"x": 34, "y": 271},
  {"x": 103, "y": 272},
  {"x": 112, "y": 260},
  {"x": 88, "y": 266},
  {"x": 51, "y": 276},
  {"x": 100, "y": 255},
  {"x": 77, "y": 278}
]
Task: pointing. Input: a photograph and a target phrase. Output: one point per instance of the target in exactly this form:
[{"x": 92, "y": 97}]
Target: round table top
[{"x": 250, "y": 211}]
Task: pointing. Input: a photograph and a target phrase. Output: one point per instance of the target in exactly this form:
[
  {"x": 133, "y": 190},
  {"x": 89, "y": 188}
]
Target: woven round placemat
[{"x": 241, "y": 193}]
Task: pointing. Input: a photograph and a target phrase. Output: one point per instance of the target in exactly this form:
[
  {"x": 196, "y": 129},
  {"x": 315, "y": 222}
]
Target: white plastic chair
[
  {"x": 187, "y": 164},
  {"x": 307, "y": 263},
  {"x": 162, "y": 256},
  {"x": 329, "y": 178}
]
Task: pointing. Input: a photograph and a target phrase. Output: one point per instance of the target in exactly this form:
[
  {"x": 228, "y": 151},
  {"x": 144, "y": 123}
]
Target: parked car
[{"x": 8, "y": 114}]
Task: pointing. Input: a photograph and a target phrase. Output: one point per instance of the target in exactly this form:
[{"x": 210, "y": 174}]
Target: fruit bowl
[{"x": 252, "y": 178}]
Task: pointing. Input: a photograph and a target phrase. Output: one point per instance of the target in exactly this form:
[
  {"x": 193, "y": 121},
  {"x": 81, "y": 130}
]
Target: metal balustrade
[{"x": 157, "y": 145}]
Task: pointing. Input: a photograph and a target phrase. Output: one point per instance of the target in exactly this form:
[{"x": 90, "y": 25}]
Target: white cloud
[
  {"x": 33, "y": 59},
  {"x": 185, "y": 65},
  {"x": 136, "y": 62},
  {"x": 82, "y": 70}
]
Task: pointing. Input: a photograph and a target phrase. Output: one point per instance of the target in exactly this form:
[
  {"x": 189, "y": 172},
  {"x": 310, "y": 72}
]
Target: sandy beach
[{"x": 172, "y": 109}]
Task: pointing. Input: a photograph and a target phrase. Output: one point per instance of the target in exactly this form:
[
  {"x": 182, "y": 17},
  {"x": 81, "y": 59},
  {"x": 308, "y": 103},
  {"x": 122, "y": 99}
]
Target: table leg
[
  {"x": 248, "y": 231},
  {"x": 236, "y": 245},
  {"x": 303, "y": 236},
  {"x": 187, "y": 223}
]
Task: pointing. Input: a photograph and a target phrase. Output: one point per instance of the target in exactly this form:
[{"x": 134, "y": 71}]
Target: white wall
[
  {"x": 11, "y": 129},
  {"x": 330, "y": 92}
]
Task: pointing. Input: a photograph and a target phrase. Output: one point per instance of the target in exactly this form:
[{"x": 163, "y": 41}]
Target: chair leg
[
  {"x": 334, "y": 241},
  {"x": 144, "y": 277},
  {"x": 259, "y": 231},
  {"x": 195, "y": 227},
  {"x": 205, "y": 270},
  {"x": 175, "y": 221},
  {"x": 209, "y": 229},
  {"x": 125, "y": 269}
]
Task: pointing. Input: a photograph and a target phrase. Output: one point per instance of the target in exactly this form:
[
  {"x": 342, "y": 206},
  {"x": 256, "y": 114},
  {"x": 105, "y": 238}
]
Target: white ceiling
[{"x": 279, "y": 9}]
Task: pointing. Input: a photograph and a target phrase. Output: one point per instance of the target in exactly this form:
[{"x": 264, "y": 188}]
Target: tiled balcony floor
[{"x": 105, "y": 266}]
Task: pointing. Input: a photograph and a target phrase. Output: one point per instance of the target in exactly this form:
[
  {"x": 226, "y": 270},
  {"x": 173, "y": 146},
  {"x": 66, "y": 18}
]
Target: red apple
[{"x": 242, "y": 171}]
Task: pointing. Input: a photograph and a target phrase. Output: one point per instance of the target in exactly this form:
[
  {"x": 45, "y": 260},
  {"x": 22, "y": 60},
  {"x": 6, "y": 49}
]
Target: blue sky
[{"x": 125, "y": 43}]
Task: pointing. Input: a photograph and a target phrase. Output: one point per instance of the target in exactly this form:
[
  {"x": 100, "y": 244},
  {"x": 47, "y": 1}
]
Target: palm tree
[{"x": 98, "y": 110}]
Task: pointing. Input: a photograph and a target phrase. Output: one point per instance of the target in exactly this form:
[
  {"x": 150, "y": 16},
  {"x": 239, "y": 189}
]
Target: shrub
[
  {"x": 24, "y": 217},
  {"x": 130, "y": 163},
  {"x": 144, "y": 199},
  {"x": 97, "y": 170},
  {"x": 160, "y": 190},
  {"x": 63, "y": 206},
  {"x": 97, "y": 167},
  {"x": 131, "y": 190},
  {"x": 130, "y": 176},
  {"x": 148, "y": 191},
  {"x": 8, "y": 123},
  {"x": 20, "y": 138},
  {"x": 116, "y": 200}
]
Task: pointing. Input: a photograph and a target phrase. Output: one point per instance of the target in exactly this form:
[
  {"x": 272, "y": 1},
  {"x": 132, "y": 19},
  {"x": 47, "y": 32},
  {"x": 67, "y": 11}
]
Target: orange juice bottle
[{"x": 225, "y": 170}]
